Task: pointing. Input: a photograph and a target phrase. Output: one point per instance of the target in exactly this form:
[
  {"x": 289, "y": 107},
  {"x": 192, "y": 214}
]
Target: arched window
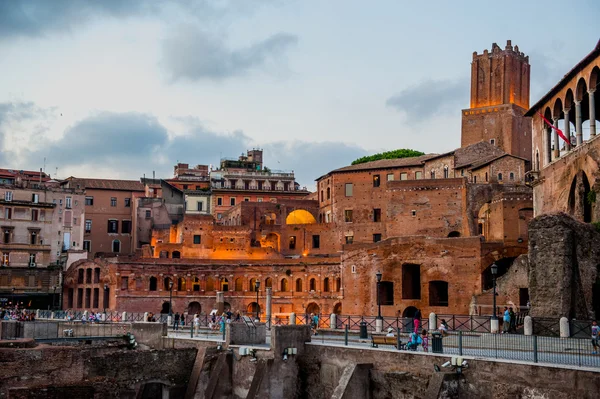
[
  {"x": 322, "y": 196},
  {"x": 312, "y": 284},
  {"x": 224, "y": 284},
  {"x": 299, "y": 285},
  {"x": 116, "y": 246},
  {"x": 326, "y": 284},
  {"x": 210, "y": 284},
  {"x": 181, "y": 284},
  {"x": 252, "y": 285},
  {"x": 446, "y": 174},
  {"x": 499, "y": 176},
  {"x": 268, "y": 283},
  {"x": 338, "y": 284},
  {"x": 511, "y": 176},
  {"x": 239, "y": 284},
  {"x": 153, "y": 284},
  {"x": 284, "y": 285},
  {"x": 196, "y": 284},
  {"x": 167, "y": 282},
  {"x": 433, "y": 174},
  {"x": 176, "y": 254}
]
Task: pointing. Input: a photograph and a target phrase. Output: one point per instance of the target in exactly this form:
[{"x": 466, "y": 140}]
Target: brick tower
[{"x": 499, "y": 99}]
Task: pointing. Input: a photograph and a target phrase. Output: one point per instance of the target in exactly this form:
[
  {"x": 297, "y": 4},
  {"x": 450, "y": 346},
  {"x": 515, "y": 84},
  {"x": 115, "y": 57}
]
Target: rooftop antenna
[
  {"x": 153, "y": 175},
  {"x": 44, "y": 164},
  {"x": 56, "y": 174}
]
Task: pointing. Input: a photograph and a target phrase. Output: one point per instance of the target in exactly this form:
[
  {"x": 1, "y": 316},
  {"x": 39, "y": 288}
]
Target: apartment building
[
  {"x": 40, "y": 223},
  {"x": 110, "y": 217}
]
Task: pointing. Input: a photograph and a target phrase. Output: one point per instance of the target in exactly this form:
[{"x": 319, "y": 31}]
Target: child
[
  {"x": 415, "y": 341},
  {"x": 425, "y": 340},
  {"x": 595, "y": 336}
]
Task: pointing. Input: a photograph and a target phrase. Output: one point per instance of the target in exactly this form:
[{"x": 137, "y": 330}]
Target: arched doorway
[
  {"x": 194, "y": 307},
  {"x": 252, "y": 308},
  {"x": 176, "y": 254},
  {"x": 313, "y": 308},
  {"x": 226, "y": 306},
  {"x": 116, "y": 246},
  {"x": 453, "y": 234},
  {"x": 165, "y": 308},
  {"x": 337, "y": 309},
  {"x": 580, "y": 199},
  {"x": 409, "y": 312}
]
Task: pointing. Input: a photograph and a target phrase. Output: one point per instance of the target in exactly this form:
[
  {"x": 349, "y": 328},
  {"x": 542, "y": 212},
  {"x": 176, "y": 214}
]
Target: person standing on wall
[{"x": 417, "y": 320}]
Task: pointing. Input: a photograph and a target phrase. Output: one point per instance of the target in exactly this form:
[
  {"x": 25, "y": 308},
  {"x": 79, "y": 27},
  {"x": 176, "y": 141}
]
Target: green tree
[{"x": 401, "y": 153}]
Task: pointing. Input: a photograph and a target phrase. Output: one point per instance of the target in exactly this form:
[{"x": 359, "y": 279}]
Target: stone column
[
  {"x": 567, "y": 128},
  {"x": 564, "y": 328},
  {"x": 292, "y": 319},
  {"x": 124, "y": 316},
  {"x": 378, "y": 325},
  {"x": 556, "y": 152},
  {"x": 333, "y": 321},
  {"x": 269, "y": 292},
  {"x": 578, "y": 123},
  {"x": 592, "y": 112},
  {"x": 220, "y": 306},
  {"x": 432, "y": 321},
  {"x": 494, "y": 326},
  {"x": 528, "y": 326},
  {"x": 145, "y": 317}
]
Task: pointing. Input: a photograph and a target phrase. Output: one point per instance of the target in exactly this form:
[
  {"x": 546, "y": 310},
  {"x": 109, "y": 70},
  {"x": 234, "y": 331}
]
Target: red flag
[{"x": 560, "y": 133}]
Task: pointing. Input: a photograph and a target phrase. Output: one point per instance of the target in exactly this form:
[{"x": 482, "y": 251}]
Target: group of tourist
[
  {"x": 17, "y": 314},
  {"x": 509, "y": 321}
]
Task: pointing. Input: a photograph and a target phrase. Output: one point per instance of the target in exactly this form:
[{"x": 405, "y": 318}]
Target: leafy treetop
[{"x": 401, "y": 153}]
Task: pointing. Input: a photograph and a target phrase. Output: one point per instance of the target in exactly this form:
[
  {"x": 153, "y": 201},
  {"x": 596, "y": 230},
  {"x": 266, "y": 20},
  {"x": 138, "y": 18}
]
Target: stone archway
[
  {"x": 194, "y": 308},
  {"x": 313, "y": 308},
  {"x": 409, "y": 312},
  {"x": 581, "y": 198}
]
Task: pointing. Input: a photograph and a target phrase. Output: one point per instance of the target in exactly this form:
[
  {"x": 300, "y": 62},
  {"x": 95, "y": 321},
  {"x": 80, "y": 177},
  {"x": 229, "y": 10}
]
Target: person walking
[
  {"x": 513, "y": 320},
  {"x": 595, "y": 337},
  {"x": 425, "y": 339},
  {"x": 417, "y": 320},
  {"x": 176, "y": 321},
  {"x": 506, "y": 321}
]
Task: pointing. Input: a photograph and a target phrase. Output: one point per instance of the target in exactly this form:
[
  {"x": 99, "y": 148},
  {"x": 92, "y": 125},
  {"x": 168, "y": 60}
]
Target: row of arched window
[{"x": 223, "y": 284}]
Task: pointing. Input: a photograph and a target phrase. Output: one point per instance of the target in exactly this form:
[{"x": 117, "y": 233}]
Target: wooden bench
[{"x": 377, "y": 340}]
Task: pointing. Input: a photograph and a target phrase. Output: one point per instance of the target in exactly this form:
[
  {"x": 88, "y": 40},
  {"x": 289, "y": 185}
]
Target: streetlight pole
[
  {"x": 53, "y": 297},
  {"x": 494, "y": 321},
  {"x": 170, "y": 297},
  {"x": 12, "y": 297},
  {"x": 257, "y": 287},
  {"x": 494, "y": 269},
  {"x": 105, "y": 297},
  {"x": 378, "y": 275}
]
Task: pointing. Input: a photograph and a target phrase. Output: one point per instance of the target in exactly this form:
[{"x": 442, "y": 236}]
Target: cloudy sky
[{"x": 117, "y": 89}]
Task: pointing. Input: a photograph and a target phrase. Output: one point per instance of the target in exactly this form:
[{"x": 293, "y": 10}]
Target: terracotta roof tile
[
  {"x": 107, "y": 184},
  {"x": 387, "y": 163}
]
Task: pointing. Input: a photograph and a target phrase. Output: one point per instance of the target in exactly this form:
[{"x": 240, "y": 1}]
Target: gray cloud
[
  {"x": 32, "y": 18},
  {"x": 431, "y": 98},
  {"x": 133, "y": 144},
  {"x": 105, "y": 138},
  {"x": 193, "y": 54}
]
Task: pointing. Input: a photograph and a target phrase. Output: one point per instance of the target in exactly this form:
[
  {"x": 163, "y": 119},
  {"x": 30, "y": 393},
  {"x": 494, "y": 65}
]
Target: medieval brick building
[{"x": 432, "y": 225}]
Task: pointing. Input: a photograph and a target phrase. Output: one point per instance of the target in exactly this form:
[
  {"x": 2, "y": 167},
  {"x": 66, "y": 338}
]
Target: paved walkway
[{"x": 550, "y": 350}]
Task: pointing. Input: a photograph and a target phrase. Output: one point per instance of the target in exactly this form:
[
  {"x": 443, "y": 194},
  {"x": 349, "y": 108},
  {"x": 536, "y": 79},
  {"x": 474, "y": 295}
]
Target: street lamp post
[
  {"x": 170, "y": 297},
  {"x": 53, "y": 297},
  {"x": 105, "y": 297},
  {"x": 12, "y": 297},
  {"x": 378, "y": 275},
  {"x": 494, "y": 269},
  {"x": 257, "y": 287}
]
